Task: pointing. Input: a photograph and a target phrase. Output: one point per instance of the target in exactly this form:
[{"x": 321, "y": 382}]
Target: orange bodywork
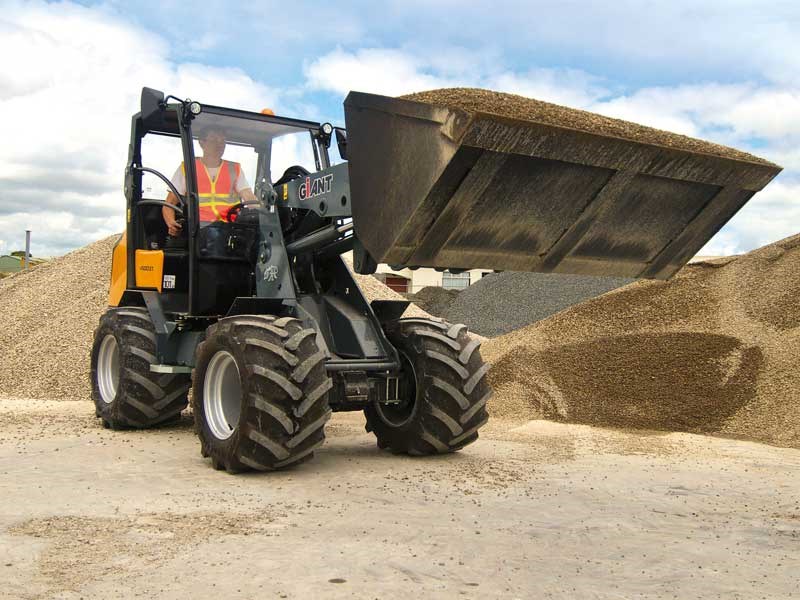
[
  {"x": 119, "y": 271},
  {"x": 149, "y": 270}
]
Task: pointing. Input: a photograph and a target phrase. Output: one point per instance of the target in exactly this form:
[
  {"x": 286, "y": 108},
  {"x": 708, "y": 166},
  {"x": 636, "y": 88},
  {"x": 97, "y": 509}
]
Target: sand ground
[{"x": 532, "y": 510}]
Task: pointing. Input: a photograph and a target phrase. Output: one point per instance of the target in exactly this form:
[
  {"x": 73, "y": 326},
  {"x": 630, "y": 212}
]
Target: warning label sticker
[{"x": 169, "y": 282}]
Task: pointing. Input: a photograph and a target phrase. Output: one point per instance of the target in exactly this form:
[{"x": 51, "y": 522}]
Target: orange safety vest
[{"x": 216, "y": 195}]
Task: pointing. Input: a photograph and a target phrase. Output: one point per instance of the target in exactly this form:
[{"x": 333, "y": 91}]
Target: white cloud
[
  {"x": 647, "y": 42},
  {"x": 570, "y": 87},
  {"x": 394, "y": 72},
  {"x": 786, "y": 155},
  {"x": 66, "y": 102},
  {"x": 773, "y": 214},
  {"x": 771, "y": 113},
  {"x": 650, "y": 41},
  {"x": 380, "y": 71},
  {"x": 730, "y": 113},
  {"x": 762, "y": 119},
  {"x": 67, "y": 96},
  {"x": 55, "y": 231},
  {"x": 734, "y": 112}
]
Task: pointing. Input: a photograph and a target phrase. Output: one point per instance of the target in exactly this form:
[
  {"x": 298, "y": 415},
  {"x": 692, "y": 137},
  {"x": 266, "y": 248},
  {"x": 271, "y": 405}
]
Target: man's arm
[
  {"x": 173, "y": 227},
  {"x": 248, "y": 197},
  {"x": 179, "y": 181},
  {"x": 242, "y": 187}
]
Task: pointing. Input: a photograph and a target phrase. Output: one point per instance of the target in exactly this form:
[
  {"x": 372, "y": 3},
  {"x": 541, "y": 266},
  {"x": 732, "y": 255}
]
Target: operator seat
[{"x": 155, "y": 229}]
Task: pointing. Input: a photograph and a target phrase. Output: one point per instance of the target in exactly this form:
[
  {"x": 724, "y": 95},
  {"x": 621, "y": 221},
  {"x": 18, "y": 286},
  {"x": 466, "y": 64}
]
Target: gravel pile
[
  {"x": 48, "y": 316},
  {"x": 499, "y": 303},
  {"x": 375, "y": 290},
  {"x": 434, "y": 299},
  {"x": 527, "y": 109},
  {"x": 714, "y": 350}
]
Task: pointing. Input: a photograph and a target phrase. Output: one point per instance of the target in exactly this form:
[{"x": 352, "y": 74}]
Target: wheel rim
[
  {"x": 222, "y": 395},
  {"x": 108, "y": 369},
  {"x": 399, "y": 414}
]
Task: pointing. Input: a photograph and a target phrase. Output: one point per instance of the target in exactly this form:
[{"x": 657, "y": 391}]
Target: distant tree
[{"x": 20, "y": 253}]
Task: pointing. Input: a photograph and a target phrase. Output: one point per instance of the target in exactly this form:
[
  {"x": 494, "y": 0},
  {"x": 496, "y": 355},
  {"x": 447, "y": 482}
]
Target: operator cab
[
  {"x": 166, "y": 156},
  {"x": 256, "y": 144}
]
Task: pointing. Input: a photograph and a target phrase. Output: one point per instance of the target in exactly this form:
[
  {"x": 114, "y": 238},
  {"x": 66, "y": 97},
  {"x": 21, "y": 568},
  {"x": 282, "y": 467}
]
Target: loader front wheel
[
  {"x": 260, "y": 393},
  {"x": 126, "y": 393},
  {"x": 442, "y": 390}
]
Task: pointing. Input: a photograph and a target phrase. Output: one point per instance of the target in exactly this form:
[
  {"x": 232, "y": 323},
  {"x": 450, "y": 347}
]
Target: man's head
[{"x": 212, "y": 141}]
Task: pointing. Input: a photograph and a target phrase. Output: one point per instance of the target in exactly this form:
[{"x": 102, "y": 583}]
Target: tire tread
[
  {"x": 452, "y": 390},
  {"x": 144, "y": 398},
  {"x": 285, "y": 388}
]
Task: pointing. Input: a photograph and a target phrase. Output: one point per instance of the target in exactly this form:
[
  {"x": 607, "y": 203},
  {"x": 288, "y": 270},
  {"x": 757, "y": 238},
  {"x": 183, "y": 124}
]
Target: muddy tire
[
  {"x": 126, "y": 393},
  {"x": 443, "y": 390},
  {"x": 260, "y": 393}
]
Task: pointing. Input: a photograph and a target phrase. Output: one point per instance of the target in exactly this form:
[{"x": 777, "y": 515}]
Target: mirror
[
  {"x": 151, "y": 102},
  {"x": 341, "y": 141}
]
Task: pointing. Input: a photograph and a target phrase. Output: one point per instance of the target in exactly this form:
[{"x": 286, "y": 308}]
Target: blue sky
[{"x": 721, "y": 70}]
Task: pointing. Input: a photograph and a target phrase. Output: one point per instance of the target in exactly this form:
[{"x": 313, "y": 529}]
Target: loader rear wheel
[
  {"x": 260, "y": 393},
  {"x": 126, "y": 393},
  {"x": 442, "y": 390}
]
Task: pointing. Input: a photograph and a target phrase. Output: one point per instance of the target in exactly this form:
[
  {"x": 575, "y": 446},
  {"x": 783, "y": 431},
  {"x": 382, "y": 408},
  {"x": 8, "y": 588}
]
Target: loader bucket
[{"x": 452, "y": 188}]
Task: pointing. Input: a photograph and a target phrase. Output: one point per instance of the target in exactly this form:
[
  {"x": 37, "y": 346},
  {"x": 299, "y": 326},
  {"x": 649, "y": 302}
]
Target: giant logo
[{"x": 311, "y": 188}]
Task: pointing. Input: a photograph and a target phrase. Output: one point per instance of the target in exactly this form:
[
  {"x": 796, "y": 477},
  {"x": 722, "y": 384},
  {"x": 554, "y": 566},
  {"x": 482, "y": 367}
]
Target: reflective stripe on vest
[{"x": 216, "y": 195}]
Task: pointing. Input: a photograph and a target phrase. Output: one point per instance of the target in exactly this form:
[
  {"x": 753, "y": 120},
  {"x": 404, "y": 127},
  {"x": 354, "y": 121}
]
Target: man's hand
[
  {"x": 249, "y": 199},
  {"x": 174, "y": 228}
]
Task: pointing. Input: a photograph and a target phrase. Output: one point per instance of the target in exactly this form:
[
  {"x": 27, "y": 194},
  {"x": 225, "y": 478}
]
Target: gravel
[
  {"x": 502, "y": 302},
  {"x": 79, "y": 547},
  {"x": 528, "y": 109},
  {"x": 48, "y": 316},
  {"x": 373, "y": 289},
  {"x": 714, "y": 350},
  {"x": 94, "y": 513},
  {"x": 434, "y": 299}
]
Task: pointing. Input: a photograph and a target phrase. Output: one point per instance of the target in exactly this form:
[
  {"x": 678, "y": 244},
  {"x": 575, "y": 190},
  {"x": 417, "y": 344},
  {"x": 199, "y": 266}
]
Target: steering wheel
[{"x": 233, "y": 212}]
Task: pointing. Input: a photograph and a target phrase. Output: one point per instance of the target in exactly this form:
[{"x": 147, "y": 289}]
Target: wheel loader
[{"x": 260, "y": 316}]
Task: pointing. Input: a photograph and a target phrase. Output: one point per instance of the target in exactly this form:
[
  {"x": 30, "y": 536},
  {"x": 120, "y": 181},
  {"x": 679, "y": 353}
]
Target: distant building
[
  {"x": 10, "y": 264},
  {"x": 14, "y": 264},
  {"x": 408, "y": 281}
]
